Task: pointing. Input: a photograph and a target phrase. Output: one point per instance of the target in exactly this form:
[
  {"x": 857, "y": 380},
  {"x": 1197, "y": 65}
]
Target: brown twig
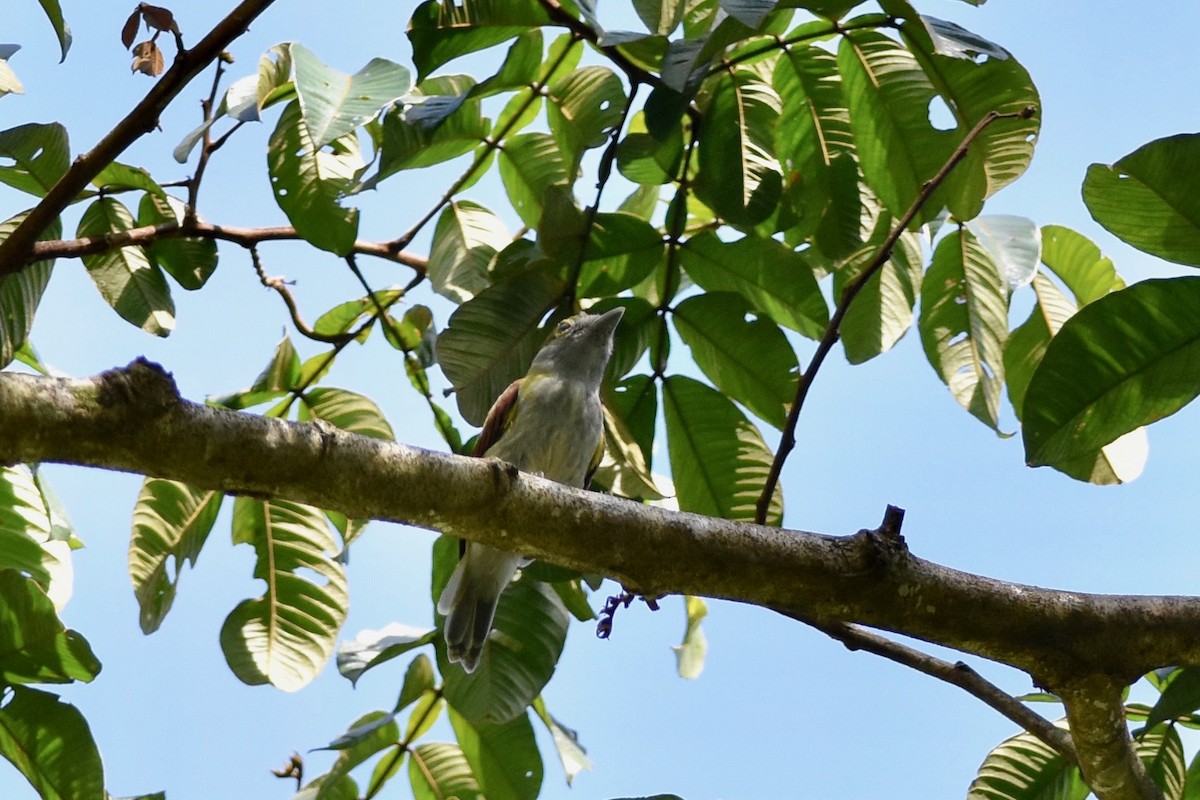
[
  {"x": 280, "y": 285},
  {"x": 246, "y": 237},
  {"x": 17, "y": 250},
  {"x": 955, "y": 673},
  {"x": 788, "y": 440}
]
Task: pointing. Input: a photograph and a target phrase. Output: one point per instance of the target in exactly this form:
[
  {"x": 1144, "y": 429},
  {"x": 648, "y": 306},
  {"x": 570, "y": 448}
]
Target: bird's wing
[
  {"x": 599, "y": 454},
  {"x": 499, "y": 417}
]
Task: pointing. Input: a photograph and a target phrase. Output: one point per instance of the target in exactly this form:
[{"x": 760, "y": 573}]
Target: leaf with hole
[{"x": 310, "y": 183}]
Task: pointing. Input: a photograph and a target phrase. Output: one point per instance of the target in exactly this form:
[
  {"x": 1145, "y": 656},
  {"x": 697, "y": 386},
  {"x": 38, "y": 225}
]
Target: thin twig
[
  {"x": 788, "y": 440},
  {"x": 281, "y": 288},
  {"x": 246, "y": 237},
  {"x": 491, "y": 143},
  {"x": 603, "y": 173},
  {"x": 955, "y": 673},
  {"x": 207, "y": 106},
  {"x": 16, "y": 251}
]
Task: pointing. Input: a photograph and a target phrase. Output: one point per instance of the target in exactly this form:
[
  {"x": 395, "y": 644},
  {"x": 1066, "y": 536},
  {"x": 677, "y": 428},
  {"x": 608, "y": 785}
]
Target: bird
[{"x": 549, "y": 423}]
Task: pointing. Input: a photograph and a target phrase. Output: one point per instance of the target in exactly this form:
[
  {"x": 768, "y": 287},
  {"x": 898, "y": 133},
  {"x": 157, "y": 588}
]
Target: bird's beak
[{"x": 606, "y": 323}]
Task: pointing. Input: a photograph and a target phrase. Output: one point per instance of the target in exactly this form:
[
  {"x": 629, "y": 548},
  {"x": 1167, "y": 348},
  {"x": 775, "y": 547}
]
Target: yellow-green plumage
[{"x": 549, "y": 423}]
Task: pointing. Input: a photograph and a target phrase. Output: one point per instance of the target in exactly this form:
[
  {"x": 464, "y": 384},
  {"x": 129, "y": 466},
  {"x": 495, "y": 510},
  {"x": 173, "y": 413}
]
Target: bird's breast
[{"x": 555, "y": 432}]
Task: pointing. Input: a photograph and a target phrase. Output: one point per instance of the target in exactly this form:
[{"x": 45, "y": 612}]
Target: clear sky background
[{"x": 780, "y": 710}]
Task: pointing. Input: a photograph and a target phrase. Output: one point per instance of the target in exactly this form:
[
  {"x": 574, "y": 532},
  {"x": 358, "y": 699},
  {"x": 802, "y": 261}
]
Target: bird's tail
[{"x": 469, "y": 601}]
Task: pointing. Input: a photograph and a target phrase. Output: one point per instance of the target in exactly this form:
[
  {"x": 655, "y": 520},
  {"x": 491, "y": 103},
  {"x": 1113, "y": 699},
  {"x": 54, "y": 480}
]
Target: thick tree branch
[
  {"x": 16, "y": 250},
  {"x": 133, "y": 420},
  {"x": 246, "y": 237},
  {"x": 1107, "y": 757}
]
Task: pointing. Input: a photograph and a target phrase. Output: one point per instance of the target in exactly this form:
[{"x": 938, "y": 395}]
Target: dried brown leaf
[
  {"x": 147, "y": 59},
  {"x": 159, "y": 18},
  {"x": 131, "y": 28}
]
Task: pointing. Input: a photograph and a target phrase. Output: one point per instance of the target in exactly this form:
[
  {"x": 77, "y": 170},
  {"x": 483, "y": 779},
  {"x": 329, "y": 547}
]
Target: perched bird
[{"x": 549, "y": 423}]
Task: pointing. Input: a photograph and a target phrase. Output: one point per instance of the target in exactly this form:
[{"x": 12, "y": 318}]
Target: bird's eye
[{"x": 563, "y": 327}]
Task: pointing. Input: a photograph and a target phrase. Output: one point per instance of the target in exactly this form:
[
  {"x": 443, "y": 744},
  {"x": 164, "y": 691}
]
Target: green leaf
[
  {"x": 1161, "y": 750},
  {"x": 888, "y": 95},
  {"x": 635, "y": 401},
  {"x": 34, "y": 539},
  {"x": 418, "y": 679},
  {"x": 1025, "y": 768},
  {"x": 334, "y": 104},
  {"x": 466, "y": 239},
  {"x": 773, "y": 278},
  {"x": 522, "y": 651},
  {"x": 414, "y": 137},
  {"x": 530, "y": 163},
  {"x": 1119, "y": 462},
  {"x": 310, "y": 182},
  {"x": 639, "y": 325},
  {"x": 1124, "y": 361},
  {"x": 280, "y": 376},
  {"x": 746, "y": 356},
  {"x": 972, "y": 89},
  {"x": 646, "y": 160},
  {"x": 285, "y": 637},
  {"x": 739, "y": 177},
  {"x": 519, "y": 69},
  {"x": 816, "y": 147},
  {"x": 49, "y": 742},
  {"x": 347, "y": 410},
  {"x": 62, "y": 30},
  {"x": 442, "y": 31},
  {"x": 566, "y": 741},
  {"x": 718, "y": 458},
  {"x": 171, "y": 522},
  {"x": 660, "y": 16},
  {"x": 122, "y": 177},
  {"x": 1147, "y": 198},
  {"x": 40, "y": 155},
  {"x": 35, "y": 647},
  {"x": 424, "y": 714},
  {"x": 125, "y": 276},
  {"x": 882, "y": 312},
  {"x": 21, "y": 292},
  {"x": 1078, "y": 262},
  {"x": 964, "y": 324},
  {"x": 621, "y": 250},
  {"x": 492, "y": 339},
  {"x": 504, "y": 758},
  {"x": 440, "y": 770},
  {"x": 190, "y": 260},
  {"x": 366, "y": 736},
  {"x": 623, "y": 470},
  {"x": 582, "y": 109},
  {"x": 689, "y": 654},
  {"x": 1181, "y": 696},
  {"x": 371, "y": 648}
]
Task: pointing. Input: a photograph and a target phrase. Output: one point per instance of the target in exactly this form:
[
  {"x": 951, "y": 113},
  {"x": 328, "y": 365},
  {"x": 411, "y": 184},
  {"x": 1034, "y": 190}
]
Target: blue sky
[{"x": 779, "y": 710}]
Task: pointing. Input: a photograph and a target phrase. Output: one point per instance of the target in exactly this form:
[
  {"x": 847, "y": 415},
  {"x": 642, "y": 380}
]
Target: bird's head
[{"x": 579, "y": 347}]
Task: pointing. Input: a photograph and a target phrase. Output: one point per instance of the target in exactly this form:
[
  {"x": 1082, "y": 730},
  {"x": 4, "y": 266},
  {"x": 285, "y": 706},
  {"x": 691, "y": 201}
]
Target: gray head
[{"x": 579, "y": 347}]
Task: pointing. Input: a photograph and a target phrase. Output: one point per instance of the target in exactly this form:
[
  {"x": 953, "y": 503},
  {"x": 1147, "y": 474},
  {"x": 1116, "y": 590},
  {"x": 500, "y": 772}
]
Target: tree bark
[{"x": 1084, "y": 647}]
